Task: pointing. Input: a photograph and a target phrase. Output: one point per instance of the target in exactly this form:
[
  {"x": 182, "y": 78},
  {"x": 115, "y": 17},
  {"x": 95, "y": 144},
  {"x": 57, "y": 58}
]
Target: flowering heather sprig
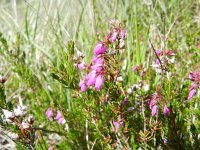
[
  {"x": 50, "y": 114},
  {"x": 163, "y": 60},
  {"x": 97, "y": 69},
  {"x": 60, "y": 118},
  {"x": 195, "y": 78},
  {"x": 153, "y": 101}
]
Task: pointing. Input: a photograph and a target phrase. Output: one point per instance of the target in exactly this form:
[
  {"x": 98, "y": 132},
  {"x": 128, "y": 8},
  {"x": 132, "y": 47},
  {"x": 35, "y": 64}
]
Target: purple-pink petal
[
  {"x": 60, "y": 120},
  {"x": 135, "y": 68},
  {"x": 114, "y": 37},
  {"x": 83, "y": 88},
  {"x": 166, "y": 110},
  {"x": 99, "y": 82},
  {"x": 49, "y": 113},
  {"x": 116, "y": 126},
  {"x": 154, "y": 110},
  {"x": 191, "y": 94},
  {"x": 170, "y": 53},
  {"x": 81, "y": 83},
  {"x": 159, "y": 52},
  {"x": 100, "y": 48},
  {"x": 58, "y": 116},
  {"x": 81, "y": 66},
  {"x": 97, "y": 67},
  {"x": 142, "y": 73},
  {"x": 123, "y": 34},
  {"x": 91, "y": 78}
]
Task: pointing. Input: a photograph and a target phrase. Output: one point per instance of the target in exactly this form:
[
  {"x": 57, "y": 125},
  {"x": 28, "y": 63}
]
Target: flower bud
[
  {"x": 166, "y": 110},
  {"x": 49, "y": 113},
  {"x": 100, "y": 48}
]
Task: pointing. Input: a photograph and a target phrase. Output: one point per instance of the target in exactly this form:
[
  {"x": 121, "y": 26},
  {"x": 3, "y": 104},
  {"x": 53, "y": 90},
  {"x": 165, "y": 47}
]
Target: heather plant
[{"x": 75, "y": 79}]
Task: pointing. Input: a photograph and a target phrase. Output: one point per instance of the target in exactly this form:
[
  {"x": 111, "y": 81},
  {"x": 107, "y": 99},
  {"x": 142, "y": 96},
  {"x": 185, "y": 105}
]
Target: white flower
[
  {"x": 13, "y": 136},
  {"x": 25, "y": 125},
  {"x": 121, "y": 43},
  {"x": 8, "y": 114},
  {"x": 146, "y": 87},
  {"x": 20, "y": 111},
  {"x": 119, "y": 79},
  {"x": 129, "y": 91}
]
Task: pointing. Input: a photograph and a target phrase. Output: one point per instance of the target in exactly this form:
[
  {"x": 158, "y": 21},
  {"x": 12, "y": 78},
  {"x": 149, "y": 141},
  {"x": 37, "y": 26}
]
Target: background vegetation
[{"x": 38, "y": 42}]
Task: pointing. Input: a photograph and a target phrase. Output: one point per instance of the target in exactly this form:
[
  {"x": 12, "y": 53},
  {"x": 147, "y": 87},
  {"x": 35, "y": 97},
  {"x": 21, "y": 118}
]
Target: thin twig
[
  {"x": 156, "y": 55},
  {"x": 166, "y": 37}
]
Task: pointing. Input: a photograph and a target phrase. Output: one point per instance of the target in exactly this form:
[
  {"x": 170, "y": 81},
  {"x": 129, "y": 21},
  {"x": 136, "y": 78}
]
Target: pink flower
[
  {"x": 114, "y": 37},
  {"x": 142, "y": 73},
  {"x": 99, "y": 82},
  {"x": 191, "y": 94},
  {"x": 84, "y": 88},
  {"x": 116, "y": 126},
  {"x": 81, "y": 66},
  {"x": 82, "y": 85},
  {"x": 159, "y": 53},
  {"x": 154, "y": 110},
  {"x": 49, "y": 113},
  {"x": 170, "y": 53},
  {"x": 166, "y": 110},
  {"x": 134, "y": 69},
  {"x": 123, "y": 34},
  {"x": 60, "y": 120},
  {"x": 51, "y": 148},
  {"x": 97, "y": 67},
  {"x": 100, "y": 48},
  {"x": 91, "y": 78},
  {"x": 58, "y": 116}
]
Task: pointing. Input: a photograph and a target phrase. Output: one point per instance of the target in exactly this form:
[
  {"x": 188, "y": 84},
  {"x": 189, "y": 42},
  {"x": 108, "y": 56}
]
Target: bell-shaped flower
[
  {"x": 100, "y": 48},
  {"x": 154, "y": 110},
  {"x": 91, "y": 78},
  {"x": 114, "y": 37},
  {"x": 81, "y": 66},
  {"x": 58, "y": 116},
  {"x": 116, "y": 126},
  {"x": 191, "y": 93},
  {"x": 49, "y": 113},
  {"x": 99, "y": 82},
  {"x": 166, "y": 110},
  {"x": 83, "y": 85}
]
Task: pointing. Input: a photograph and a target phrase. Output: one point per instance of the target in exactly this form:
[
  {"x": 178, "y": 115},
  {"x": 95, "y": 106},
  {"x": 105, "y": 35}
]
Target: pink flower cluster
[
  {"x": 165, "y": 58},
  {"x": 97, "y": 69},
  {"x": 50, "y": 113},
  {"x": 195, "y": 78},
  {"x": 153, "y": 101}
]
